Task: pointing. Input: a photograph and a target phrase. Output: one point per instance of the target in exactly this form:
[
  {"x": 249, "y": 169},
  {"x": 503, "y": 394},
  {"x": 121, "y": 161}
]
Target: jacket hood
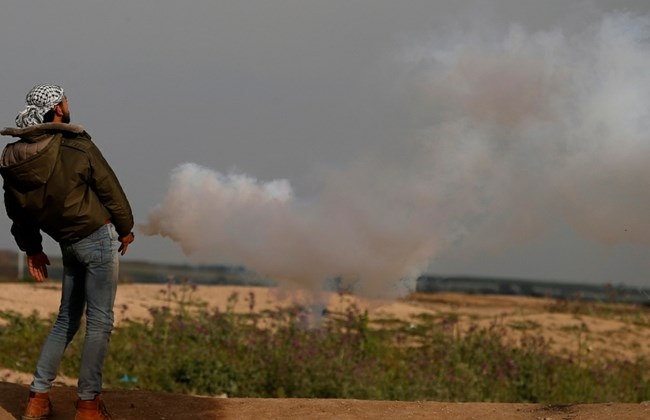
[{"x": 29, "y": 162}]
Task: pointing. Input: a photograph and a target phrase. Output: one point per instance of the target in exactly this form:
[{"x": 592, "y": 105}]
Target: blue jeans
[{"x": 90, "y": 271}]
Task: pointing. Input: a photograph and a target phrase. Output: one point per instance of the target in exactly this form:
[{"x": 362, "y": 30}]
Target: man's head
[{"x": 44, "y": 103}]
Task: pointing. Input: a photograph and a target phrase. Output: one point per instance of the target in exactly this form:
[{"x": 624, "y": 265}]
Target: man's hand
[
  {"x": 126, "y": 240},
  {"x": 37, "y": 265}
]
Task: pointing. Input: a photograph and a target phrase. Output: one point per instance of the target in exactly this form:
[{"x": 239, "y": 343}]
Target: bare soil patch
[{"x": 144, "y": 405}]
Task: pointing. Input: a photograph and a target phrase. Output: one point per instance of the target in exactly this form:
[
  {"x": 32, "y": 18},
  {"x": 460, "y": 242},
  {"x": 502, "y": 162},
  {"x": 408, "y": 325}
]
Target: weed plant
[{"x": 290, "y": 352}]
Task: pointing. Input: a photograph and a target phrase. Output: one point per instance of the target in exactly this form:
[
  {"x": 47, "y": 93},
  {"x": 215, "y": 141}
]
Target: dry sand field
[{"x": 609, "y": 330}]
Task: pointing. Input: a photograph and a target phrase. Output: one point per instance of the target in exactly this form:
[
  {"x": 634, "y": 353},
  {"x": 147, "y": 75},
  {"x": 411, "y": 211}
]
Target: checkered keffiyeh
[{"x": 40, "y": 100}]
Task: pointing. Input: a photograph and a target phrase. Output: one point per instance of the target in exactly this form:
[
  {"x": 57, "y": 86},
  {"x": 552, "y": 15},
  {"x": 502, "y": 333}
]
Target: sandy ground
[
  {"x": 611, "y": 331},
  {"x": 614, "y": 331},
  {"x": 133, "y": 301}
]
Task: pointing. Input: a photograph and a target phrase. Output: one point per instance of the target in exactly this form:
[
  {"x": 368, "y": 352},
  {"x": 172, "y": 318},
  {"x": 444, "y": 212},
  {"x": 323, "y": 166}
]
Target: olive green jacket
[{"x": 56, "y": 180}]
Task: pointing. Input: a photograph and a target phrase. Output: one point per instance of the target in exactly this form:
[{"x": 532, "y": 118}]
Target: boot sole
[{"x": 45, "y": 417}]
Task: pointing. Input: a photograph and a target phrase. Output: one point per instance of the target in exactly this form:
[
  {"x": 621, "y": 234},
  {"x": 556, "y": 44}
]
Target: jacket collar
[{"x": 39, "y": 129}]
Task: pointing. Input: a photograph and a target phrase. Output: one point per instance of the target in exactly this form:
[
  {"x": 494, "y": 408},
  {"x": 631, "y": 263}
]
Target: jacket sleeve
[
  {"x": 25, "y": 231},
  {"x": 110, "y": 193}
]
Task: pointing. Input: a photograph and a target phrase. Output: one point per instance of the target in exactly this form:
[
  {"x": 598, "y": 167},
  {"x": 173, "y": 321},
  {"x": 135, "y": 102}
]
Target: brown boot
[
  {"x": 39, "y": 406},
  {"x": 92, "y": 410}
]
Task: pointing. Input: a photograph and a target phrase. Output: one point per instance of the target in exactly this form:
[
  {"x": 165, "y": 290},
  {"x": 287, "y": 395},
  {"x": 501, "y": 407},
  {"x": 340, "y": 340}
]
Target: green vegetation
[{"x": 287, "y": 353}]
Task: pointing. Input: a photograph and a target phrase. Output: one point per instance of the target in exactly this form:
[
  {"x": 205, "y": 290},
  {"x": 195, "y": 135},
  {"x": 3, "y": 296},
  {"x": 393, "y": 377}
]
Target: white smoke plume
[
  {"x": 299, "y": 243},
  {"x": 513, "y": 136}
]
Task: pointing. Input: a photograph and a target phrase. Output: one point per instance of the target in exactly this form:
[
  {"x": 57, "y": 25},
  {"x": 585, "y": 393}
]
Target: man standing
[{"x": 57, "y": 181}]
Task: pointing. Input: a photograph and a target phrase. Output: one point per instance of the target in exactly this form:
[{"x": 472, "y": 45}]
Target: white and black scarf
[{"x": 40, "y": 100}]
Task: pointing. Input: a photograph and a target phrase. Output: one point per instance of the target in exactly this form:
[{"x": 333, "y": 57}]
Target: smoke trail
[
  {"x": 513, "y": 137},
  {"x": 299, "y": 243}
]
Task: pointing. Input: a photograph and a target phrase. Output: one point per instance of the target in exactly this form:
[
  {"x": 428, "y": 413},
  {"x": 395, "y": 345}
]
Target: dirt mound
[{"x": 143, "y": 405}]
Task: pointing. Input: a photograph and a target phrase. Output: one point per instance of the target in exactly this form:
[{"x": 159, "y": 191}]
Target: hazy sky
[{"x": 318, "y": 92}]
